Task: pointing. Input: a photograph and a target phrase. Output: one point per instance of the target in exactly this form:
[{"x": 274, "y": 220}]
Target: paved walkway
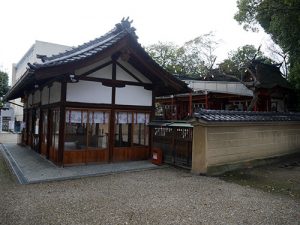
[{"x": 31, "y": 167}]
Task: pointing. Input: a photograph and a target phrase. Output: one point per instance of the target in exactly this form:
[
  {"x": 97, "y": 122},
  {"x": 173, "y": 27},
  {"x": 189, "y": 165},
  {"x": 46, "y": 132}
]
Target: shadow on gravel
[
  {"x": 7, "y": 180},
  {"x": 279, "y": 178}
]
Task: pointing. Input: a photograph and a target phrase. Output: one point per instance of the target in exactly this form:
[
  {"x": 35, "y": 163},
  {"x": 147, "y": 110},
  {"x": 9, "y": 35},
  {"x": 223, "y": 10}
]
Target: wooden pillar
[
  {"x": 40, "y": 129},
  {"x": 29, "y": 126},
  {"x": 172, "y": 106},
  {"x": 62, "y": 119},
  {"x": 112, "y": 116},
  {"x": 152, "y": 117},
  {"x": 206, "y": 99},
  {"x": 190, "y": 104},
  {"x": 24, "y": 131},
  {"x": 152, "y": 114},
  {"x": 49, "y": 133}
]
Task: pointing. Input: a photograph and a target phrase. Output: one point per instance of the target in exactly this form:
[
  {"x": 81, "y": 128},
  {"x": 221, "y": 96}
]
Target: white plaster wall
[
  {"x": 37, "y": 97},
  {"x": 45, "y": 96},
  {"x": 25, "y": 105},
  {"x": 89, "y": 92},
  {"x": 30, "y": 100},
  {"x": 124, "y": 76},
  {"x": 55, "y": 92},
  {"x": 137, "y": 73},
  {"x": 18, "y": 109},
  {"x": 105, "y": 72},
  {"x": 133, "y": 95},
  {"x": 92, "y": 66}
]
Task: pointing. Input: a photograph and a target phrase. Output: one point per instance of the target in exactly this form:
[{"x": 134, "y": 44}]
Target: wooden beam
[
  {"x": 117, "y": 83},
  {"x": 113, "y": 83},
  {"x": 106, "y": 106}
]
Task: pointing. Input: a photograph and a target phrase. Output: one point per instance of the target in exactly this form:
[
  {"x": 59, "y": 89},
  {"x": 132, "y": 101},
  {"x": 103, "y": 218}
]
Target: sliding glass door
[
  {"x": 131, "y": 138},
  {"x": 86, "y": 136},
  {"x": 54, "y": 134}
]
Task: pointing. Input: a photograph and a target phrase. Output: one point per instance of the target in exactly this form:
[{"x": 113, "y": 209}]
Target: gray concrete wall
[
  {"x": 232, "y": 144},
  {"x": 9, "y": 138}
]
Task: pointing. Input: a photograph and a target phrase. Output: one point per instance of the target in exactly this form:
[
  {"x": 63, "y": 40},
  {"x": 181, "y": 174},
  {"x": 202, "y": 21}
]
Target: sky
[{"x": 73, "y": 22}]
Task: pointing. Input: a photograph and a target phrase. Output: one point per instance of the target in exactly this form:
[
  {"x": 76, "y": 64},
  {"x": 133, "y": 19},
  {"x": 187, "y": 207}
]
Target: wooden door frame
[
  {"x": 88, "y": 110},
  {"x": 49, "y": 132},
  {"x": 132, "y": 111}
]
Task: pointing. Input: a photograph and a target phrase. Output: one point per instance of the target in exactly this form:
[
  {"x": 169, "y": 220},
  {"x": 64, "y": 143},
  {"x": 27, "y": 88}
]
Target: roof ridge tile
[
  {"x": 92, "y": 47},
  {"x": 245, "y": 116}
]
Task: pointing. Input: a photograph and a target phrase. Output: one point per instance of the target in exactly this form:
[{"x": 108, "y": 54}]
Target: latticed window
[
  {"x": 86, "y": 129},
  {"x": 131, "y": 129}
]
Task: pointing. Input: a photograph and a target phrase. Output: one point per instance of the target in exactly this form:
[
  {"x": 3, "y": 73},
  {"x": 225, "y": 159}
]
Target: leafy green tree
[
  {"x": 3, "y": 85},
  {"x": 165, "y": 54},
  {"x": 280, "y": 19},
  {"x": 199, "y": 55},
  {"x": 194, "y": 58},
  {"x": 237, "y": 60}
]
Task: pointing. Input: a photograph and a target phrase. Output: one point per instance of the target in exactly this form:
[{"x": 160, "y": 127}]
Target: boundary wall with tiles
[{"x": 219, "y": 145}]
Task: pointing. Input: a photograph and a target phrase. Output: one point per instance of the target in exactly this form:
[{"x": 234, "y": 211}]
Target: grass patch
[{"x": 272, "y": 179}]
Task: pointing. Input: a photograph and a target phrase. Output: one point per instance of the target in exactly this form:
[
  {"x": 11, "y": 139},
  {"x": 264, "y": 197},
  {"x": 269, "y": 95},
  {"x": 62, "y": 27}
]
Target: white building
[
  {"x": 6, "y": 118},
  {"x": 31, "y": 56}
]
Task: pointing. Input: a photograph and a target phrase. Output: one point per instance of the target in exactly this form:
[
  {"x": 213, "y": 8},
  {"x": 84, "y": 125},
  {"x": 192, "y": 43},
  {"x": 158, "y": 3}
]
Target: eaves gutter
[{"x": 15, "y": 91}]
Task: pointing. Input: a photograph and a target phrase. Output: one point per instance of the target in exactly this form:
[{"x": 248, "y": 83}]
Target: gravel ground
[{"x": 163, "y": 196}]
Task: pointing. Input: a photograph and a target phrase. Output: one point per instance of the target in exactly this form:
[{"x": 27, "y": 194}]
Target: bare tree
[{"x": 279, "y": 56}]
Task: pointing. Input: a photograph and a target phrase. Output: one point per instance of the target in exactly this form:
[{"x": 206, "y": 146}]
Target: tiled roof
[
  {"x": 63, "y": 63},
  {"x": 241, "y": 116},
  {"x": 90, "y": 48},
  {"x": 212, "y": 75},
  {"x": 169, "y": 123},
  {"x": 267, "y": 75}
]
